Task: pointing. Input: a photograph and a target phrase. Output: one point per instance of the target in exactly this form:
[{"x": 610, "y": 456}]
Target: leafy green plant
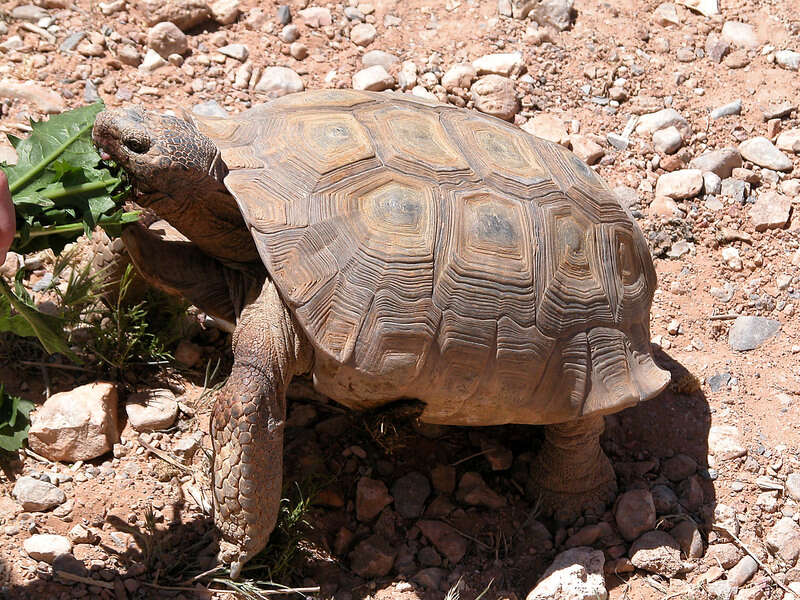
[{"x": 14, "y": 422}]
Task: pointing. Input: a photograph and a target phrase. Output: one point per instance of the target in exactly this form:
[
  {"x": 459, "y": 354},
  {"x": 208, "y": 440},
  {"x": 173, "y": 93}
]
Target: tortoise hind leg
[{"x": 571, "y": 472}]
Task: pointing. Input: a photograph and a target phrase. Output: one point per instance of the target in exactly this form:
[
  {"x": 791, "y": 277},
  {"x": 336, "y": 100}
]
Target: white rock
[
  {"x": 553, "y": 13},
  {"x": 586, "y": 149},
  {"x": 363, "y": 34},
  {"x": 548, "y": 127},
  {"x": 165, "y": 38},
  {"x": 407, "y": 77},
  {"x": 668, "y": 117},
  {"x": 459, "y": 76},
  {"x": 657, "y": 552},
  {"x": 152, "y": 61},
  {"x": 668, "y": 140},
  {"x": 495, "y": 95},
  {"x": 378, "y": 57},
  {"x": 788, "y": 59},
  {"x": 685, "y": 183},
  {"x": 225, "y": 12},
  {"x": 46, "y": 547},
  {"x": 152, "y": 410},
  {"x": 46, "y": 100},
  {"x": 789, "y": 141},
  {"x": 707, "y": 8},
  {"x": 279, "y": 81},
  {"x": 316, "y": 16},
  {"x": 77, "y": 425},
  {"x": 725, "y": 442},
  {"x": 712, "y": 183},
  {"x": 784, "y": 540},
  {"x": 771, "y": 210},
  {"x": 740, "y": 34},
  {"x": 37, "y": 495},
  {"x": 730, "y": 256},
  {"x": 666, "y": 14},
  {"x": 761, "y": 151},
  {"x": 420, "y": 92},
  {"x": 374, "y": 79},
  {"x": 576, "y": 574},
  {"x": 235, "y": 51},
  {"x": 80, "y": 535},
  {"x": 500, "y": 64}
]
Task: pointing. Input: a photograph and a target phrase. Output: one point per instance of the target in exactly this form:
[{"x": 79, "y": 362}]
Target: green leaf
[{"x": 14, "y": 420}]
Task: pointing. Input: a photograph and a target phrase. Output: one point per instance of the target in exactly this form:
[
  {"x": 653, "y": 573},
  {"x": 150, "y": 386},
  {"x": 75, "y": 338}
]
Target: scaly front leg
[{"x": 247, "y": 427}]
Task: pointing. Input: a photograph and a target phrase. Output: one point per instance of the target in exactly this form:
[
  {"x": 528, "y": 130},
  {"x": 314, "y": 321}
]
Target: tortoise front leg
[{"x": 247, "y": 427}]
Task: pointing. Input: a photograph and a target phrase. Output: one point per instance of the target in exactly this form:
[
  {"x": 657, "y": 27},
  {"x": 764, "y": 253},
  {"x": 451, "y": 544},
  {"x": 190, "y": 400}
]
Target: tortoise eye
[{"x": 136, "y": 144}]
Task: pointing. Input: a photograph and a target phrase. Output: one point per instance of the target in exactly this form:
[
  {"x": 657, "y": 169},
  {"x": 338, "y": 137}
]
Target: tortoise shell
[{"x": 436, "y": 253}]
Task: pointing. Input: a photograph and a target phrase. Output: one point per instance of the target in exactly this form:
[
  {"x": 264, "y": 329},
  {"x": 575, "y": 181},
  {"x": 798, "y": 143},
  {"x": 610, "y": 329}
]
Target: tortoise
[{"x": 393, "y": 248}]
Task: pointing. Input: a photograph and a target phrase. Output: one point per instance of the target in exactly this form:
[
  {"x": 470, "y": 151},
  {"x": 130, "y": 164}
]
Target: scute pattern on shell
[{"x": 440, "y": 254}]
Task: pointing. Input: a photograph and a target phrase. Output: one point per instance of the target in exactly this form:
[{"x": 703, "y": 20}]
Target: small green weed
[{"x": 14, "y": 422}]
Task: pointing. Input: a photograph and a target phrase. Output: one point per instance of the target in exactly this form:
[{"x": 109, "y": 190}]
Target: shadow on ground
[{"x": 506, "y": 548}]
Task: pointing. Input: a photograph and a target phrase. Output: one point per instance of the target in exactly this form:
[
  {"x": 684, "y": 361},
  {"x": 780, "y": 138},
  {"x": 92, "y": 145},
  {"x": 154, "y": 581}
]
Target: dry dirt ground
[{"x": 506, "y": 548}]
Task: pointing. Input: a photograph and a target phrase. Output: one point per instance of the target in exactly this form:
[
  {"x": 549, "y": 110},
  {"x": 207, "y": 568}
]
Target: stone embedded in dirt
[
  {"x": 635, "y": 513},
  {"x": 446, "y": 539},
  {"x": 363, "y": 34},
  {"x": 725, "y": 442},
  {"x": 789, "y": 141},
  {"x": 742, "y": 571},
  {"x": 472, "y": 490},
  {"x": 505, "y": 63},
  {"x": 661, "y": 206},
  {"x": 152, "y": 61},
  {"x": 666, "y": 15},
  {"x": 688, "y": 537},
  {"x": 668, "y": 140},
  {"x": 589, "y": 534},
  {"x": 770, "y": 211},
  {"x": 316, "y": 16},
  {"x": 721, "y": 162},
  {"x": 225, "y": 12},
  {"x": 495, "y": 95},
  {"x": 740, "y": 34},
  {"x": 555, "y": 13},
  {"x": 664, "y": 499},
  {"x": 679, "y": 467},
  {"x": 37, "y": 495},
  {"x": 152, "y": 410},
  {"x": 726, "y": 554},
  {"x": 372, "y": 496},
  {"x": 586, "y": 149},
  {"x": 784, "y": 540},
  {"x": 298, "y": 50},
  {"x": 278, "y": 81},
  {"x": 548, "y": 127},
  {"x": 238, "y": 52},
  {"x": 289, "y": 34},
  {"x": 444, "y": 478},
  {"x": 166, "y": 38},
  {"x": 748, "y": 333},
  {"x": 707, "y": 8},
  {"x": 373, "y": 557},
  {"x": 379, "y": 57},
  {"x": 431, "y": 578},
  {"x": 410, "y": 492},
  {"x": 669, "y": 117},
  {"x": 459, "y": 76},
  {"x": 81, "y": 535},
  {"x": 46, "y": 100},
  {"x": 761, "y": 151},
  {"x": 46, "y": 547},
  {"x": 685, "y": 183},
  {"x": 793, "y": 486},
  {"x": 186, "y": 14},
  {"x": 725, "y": 519},
  {"x": 727, "y": 110},
  {"x": 407, "y": 77},
  {"x": 657, "y": 552},
  {"x": 576, "y": 574},
  {"x": 788, "y": 59},
  {"x": 373, "y": 79},
  {"x": 80, "y": 424}
]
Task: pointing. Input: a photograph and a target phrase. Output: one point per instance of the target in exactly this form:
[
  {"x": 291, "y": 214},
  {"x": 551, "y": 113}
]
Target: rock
[
  {"x": 712, "y": 184},
  {"x": 576, "y": 574},
  {"x": 586, "y": 149},
  {"x": 29, "y": 13},
  {"x": 152, "y": 410},
  {"x": 129, "y": 55},
  {"x": 666, "y": 208},
  {"x": 635, "y": 513},
  {"x": 770, "y": 211},
  {"x": 445, "y": 539},
  {"x": 761, "y": 151},
  {"x": 372, "y": 496},
  {"x": 789, "y": 141},
  {"x": 730, "y": 257},
  {"x": 374, "y": 557},
  {"x": 289, "y": 34},
  {"x": 459, "y": 76},
  {"x": 80, "y": 535},
  {"x": 689, "y": 539},
  {"x": 472, "y": 490},
  {"x": 407, "y": 78},
  {"x": 211, "y": 108},
  {"x": 500, "y": 64},
  {"x": 316, "y": 16},
  {"x": 725, "y": 519},
  {"x": 793, "y": 486},
  {"x": 657, "y": 552},
  {"x": 666, "y": 15},
  {"x": 225, "y": 12},
  {"x": 725, "y": 441},
  {"x": 685, "y": 183},
  {"x": 45, "y": 100},
  {"x": 740, "y": 34},
  {"x": 726, "y": 554},
  {"x": 680, "y": 466},
  {"x": 669, "y": 117},
  {"x": 284, "y": 14},
  {"x": 431, "y": 578},
  {"x": 495, "y": 95},
  {"x": 279, "y": 81},
  {"x": 721, "y": 162},
  {"x": 743, "y": 571},
  {"x": 37, "y": 495},
  {"x": 77, "y": 425},
  {"x": 238, "y": 52},
  {"x": 731, "y": 108},
  {"x": 374, "y": 79},
  {"x": 363, "y": 34},
  {"x": 748, "y": 333},
  {"x": 46, "y": 547},
  {"x": 555, "y": 13},
  {"x": 152, "y": 61},
  {"x": 707, "y": 8},
  {"x": 548, "y": 127},
  {"x": 378, "y": 57},
  {"x": 298, "y": 50},
  {"x": 788, "y": 59},
  {"x": 784, "y": 540},
  {"x": 410, "y": 493},
  {"x": 443, "y": 478},
  {"x": 668, "y": 140},
  {"x": 664, "y": 499},
  {"x": 617, "y": 141},
  {"x": 166, "y": 38},
  {"x": 186, "y": 14},
  {"x": 588, "y": 535}
]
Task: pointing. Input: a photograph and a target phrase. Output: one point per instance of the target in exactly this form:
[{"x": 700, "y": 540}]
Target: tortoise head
[{"x": 161, "y": 153}]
